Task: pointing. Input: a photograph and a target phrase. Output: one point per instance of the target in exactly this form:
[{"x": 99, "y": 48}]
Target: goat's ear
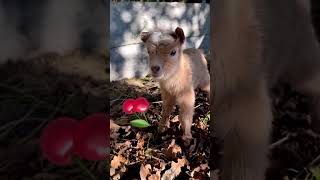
[
  {"x": 180, "y": 34},
  {"x": 144, "y": 36}
]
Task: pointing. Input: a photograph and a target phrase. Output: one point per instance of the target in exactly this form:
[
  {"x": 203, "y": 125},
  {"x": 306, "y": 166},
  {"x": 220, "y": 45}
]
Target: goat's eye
[{"x": 173, "y": 53}]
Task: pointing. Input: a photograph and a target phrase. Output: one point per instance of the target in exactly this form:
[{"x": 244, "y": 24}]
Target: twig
[
  {"x": 293, "y": 170},
  {"x": 114, "y": 100},
  {"x": 314, "y": 161},
  {"x": 157, "y": 102},
  {"x": 45, "y": 121},
  {"x": 317, "y": 159},
  {"x": 153, "y": 157},
  {"x": 14, "y": 123},
  {"x": 280, "y": 141},
  {"x": 148, "y": 142},
  {"x": 29, "y": 96}
]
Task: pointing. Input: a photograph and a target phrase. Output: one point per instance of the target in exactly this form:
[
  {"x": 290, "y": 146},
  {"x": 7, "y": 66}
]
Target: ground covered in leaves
[
  {"x": 146, "y": 154},
  {"x": 295, "y": 148},
  {"x": 32, "y": 93}
]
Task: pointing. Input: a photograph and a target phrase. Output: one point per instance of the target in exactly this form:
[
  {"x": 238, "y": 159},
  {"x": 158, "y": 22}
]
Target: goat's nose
[{"x": 155, "y": 69}]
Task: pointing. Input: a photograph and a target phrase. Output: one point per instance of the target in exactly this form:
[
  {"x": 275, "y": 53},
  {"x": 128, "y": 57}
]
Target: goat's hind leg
[
  {"x": 245, "y": 127},
  {"x": 186, "y": 103}
]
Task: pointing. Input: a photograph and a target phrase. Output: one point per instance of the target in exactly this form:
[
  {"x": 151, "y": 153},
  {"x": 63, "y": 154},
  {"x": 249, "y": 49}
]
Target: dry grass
[{"x": 34, "y": 92}]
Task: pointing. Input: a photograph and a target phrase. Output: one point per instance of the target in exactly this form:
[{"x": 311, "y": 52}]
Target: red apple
[
  {"x": 141, "y": 105},
  {"x": 91, "y": 137},
  {"x": 128, "y": 106},
  {"x": 57, "y": 140}
]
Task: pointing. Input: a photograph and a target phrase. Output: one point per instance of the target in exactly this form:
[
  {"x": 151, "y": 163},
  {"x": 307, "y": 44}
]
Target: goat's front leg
[
  {"x": 167, "y": 107},
  {"x": 186, "y": 103}
]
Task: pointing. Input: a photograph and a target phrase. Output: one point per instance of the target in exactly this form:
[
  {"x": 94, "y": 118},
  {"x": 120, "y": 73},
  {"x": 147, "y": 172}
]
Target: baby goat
[{"x": 179, "y": 72}]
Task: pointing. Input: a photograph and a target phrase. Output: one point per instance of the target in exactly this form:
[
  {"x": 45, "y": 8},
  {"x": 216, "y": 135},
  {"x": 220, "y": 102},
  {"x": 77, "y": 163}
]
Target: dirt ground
[{"x": 35, "y": 91}]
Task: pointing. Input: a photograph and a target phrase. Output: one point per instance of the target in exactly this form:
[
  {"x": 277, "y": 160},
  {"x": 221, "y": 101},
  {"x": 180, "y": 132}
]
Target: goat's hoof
[
  {"x": 162, "y": 129},
  {"x": 187, "y": 140}
]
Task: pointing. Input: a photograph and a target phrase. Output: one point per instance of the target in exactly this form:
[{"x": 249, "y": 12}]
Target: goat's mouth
[{"x": 157, "y": 76}]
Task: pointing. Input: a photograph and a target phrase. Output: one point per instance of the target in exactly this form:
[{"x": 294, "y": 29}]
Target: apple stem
[{"x": 84, "y": 168}]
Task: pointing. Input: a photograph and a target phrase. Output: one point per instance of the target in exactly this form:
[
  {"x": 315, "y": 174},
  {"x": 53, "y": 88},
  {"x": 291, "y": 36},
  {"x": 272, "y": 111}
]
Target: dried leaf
[
  {"x": 123, "y": 169},
  {"x": 116, "y": 177},
  {"x": 204, "y": 166},
  {"x": 112, "y": 171},
  {"x": 175, "y": 169},
  {"x": 195, "y": 170},
  {"x": 117, "y": 161},
  {"x": 140, "y": 143},
  {"x": 122, "y": 146},
  {"x": 156, "y": 176},
  {"x": 144, "y": 171},
  {"x": 200, "y": 171},
  {"x": 173, "y": 150},
  {"x": 114, "y": 128},
  {"x": 175, "y": 119}
]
